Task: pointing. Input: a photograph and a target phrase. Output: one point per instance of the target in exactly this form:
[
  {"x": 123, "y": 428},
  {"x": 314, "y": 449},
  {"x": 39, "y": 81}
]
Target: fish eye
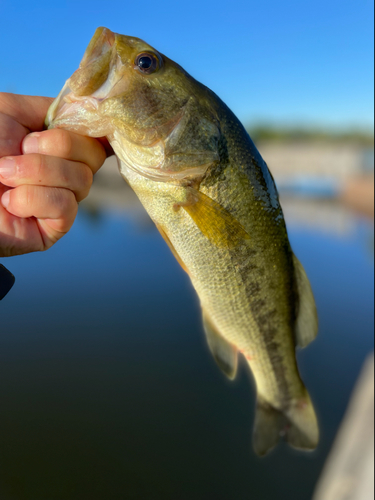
[{"x": 147, "y": 63}]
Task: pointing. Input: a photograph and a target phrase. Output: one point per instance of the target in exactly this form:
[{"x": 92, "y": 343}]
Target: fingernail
[
  {"x": 30, "y": 144},
  {"x": 7, "y": 167},
  {"x": 5, "y": 199}
]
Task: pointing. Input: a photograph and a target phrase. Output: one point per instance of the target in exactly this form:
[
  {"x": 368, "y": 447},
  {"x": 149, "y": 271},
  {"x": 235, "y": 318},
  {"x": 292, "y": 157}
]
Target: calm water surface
[{"x": 108, "y": 391}]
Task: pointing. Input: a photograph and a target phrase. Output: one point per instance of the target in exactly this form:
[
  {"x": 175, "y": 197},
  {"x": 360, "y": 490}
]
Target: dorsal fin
[
  {"x": 224, "y": 353},
  {"x": 306, "y": 327}
]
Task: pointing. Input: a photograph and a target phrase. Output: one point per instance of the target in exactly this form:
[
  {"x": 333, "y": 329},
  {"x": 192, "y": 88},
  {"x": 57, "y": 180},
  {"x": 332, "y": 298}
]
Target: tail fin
[
  {"x": 303, "y": 432},
  {"x": 297, "y": 423},
  {"x": 268, "y": 427}
]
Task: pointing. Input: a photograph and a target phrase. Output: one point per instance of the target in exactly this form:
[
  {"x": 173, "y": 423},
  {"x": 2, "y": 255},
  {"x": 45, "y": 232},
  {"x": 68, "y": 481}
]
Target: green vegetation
[{"x": 294, "y": 134}]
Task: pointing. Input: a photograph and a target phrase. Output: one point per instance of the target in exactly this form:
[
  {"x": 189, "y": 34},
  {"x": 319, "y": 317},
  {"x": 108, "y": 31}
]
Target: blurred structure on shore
[
  {"x": 324, "y": 179},
  {"x": 321, "y": 165},
  {"x": 349, "y": 470}
]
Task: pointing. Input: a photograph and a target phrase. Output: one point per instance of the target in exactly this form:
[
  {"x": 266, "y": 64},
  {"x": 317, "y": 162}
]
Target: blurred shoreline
[{"x": 322, "y": 185}]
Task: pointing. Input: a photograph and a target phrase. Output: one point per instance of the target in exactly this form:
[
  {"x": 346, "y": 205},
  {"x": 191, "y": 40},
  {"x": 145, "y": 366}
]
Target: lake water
[{"x": 107, "y": 388}]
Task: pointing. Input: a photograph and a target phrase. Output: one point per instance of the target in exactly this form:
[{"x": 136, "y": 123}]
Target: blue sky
[{"x": 307, "y": 63}]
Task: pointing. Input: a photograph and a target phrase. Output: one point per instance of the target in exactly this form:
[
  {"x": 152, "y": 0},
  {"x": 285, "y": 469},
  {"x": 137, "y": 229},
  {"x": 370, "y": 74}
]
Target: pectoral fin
[
  {"x": 215, "y": 222},
  {"x": 306, "y": 327},
  {"x": 224, "y": 353}
]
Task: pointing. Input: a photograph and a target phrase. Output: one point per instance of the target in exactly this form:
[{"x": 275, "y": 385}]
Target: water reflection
[{"x": 108, "y": 389}]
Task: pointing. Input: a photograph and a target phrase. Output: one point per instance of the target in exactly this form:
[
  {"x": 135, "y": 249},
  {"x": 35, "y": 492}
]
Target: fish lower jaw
[{"x": 68, "y": 107}]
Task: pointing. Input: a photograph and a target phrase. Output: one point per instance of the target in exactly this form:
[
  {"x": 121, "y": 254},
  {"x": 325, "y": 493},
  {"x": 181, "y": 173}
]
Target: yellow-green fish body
[{"x": 204, "y": 184}]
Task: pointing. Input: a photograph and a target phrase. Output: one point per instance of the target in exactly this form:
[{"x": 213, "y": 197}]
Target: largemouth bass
[{"x": 213, "y": 199}]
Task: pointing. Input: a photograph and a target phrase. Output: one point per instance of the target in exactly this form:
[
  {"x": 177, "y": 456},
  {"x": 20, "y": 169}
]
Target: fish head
[{"x": 159, "y": 120}]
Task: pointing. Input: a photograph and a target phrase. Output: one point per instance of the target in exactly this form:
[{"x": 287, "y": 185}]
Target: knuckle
[
  {"x": 22, "y": 197},
  {"x": 85, "y": 180},
  {"x": 30, "y": 166},
  {"x": 66, "y": 200},
  {"x": 63, "y": 142},
  {"x": 65, "y": 173},
  {"x": 87, "y": 177},
  {"x": 40, "y": 167},
  {"x": 48, "y": 243},
  {"x": 66, "y": 143},
  {"x": 96, "y": 154},
  {"x": 26, "y": 195}
]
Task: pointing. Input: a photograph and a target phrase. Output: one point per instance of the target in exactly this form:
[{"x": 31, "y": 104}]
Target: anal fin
[{"x": 224, "y": 353}]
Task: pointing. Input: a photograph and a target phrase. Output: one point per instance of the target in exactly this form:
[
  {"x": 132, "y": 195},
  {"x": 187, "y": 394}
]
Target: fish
[{"x": 212, "y": 197}]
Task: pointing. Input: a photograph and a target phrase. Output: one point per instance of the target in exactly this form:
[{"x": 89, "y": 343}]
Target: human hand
[{"x": 43, "y": 175}]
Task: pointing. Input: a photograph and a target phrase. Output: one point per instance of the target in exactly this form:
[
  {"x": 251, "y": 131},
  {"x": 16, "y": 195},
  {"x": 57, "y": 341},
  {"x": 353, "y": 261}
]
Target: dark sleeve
[{"x": 6, "y": 281}]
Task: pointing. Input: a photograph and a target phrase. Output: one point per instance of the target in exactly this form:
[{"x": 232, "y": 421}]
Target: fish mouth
[
  {"x": 102, "y": 42},
  {"x": 98, "y": 76},
  {"x": 66, "y": 105}
]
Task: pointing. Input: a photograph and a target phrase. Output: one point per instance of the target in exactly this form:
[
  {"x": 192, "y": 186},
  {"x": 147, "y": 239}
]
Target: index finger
[
  {"x": 68, "y": 145},
  {"x": 29, "y": 111}
]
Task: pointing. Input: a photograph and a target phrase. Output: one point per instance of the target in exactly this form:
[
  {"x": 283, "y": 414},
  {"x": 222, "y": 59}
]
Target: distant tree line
[{"x": 293, "y": 134}]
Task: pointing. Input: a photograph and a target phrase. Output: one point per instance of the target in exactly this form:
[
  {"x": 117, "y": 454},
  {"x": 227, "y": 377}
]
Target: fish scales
[
  {"x": 230, "y": 282},
  {"x": 212, "y": 197},
  {"x": 244, "y": 167}
]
